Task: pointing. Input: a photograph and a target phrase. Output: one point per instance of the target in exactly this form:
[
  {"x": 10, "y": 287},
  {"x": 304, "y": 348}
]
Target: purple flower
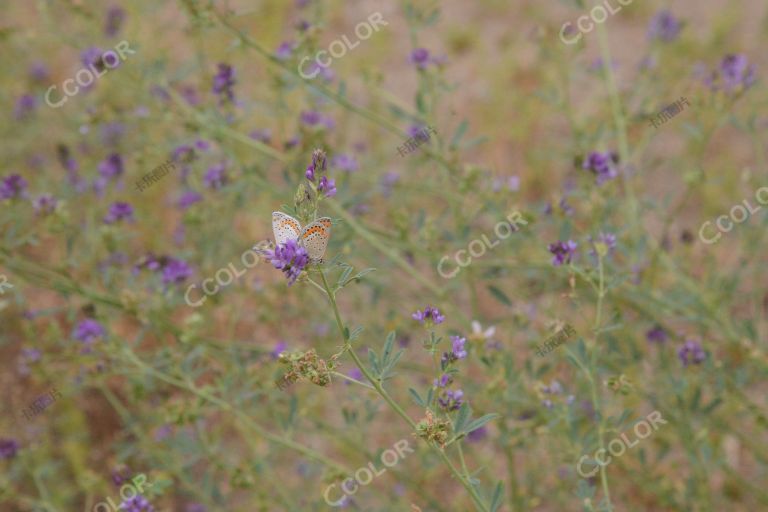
[
  {"x": 136, "y": 504},
  {"x": 120, "y": 476},
  {"x": 477, "y": 434},
  {"x": 190, "y": 95},
  {"x": 183, "y": 154},
  {"x": 607, "y": 239},
  {"x": 292, "y": 142},
  {"x": 12, "y": 186},
  {"x": 114, "y": 20},
  {"x": 451, "y": 400},
  {"x": 311, "y": 117},
  {"x": 88, "y": 330},
  {"x": 8, "y": 448},
  {"x": 457, "y": 347},
  {"x": 38, "y": 72},
  {"x": 314, "y": 69},
  {"x": 603, "y": 165},
  {"x": 691, "y": 353},
  {"x": 188, "y": 198},
  {"x": 111, "y": 133},
  {"x": 444, "y": 381},
  {"x": 44, "y": 204},
  {"x": 735, "y": 72},
  {"x": 318, "y": 164},
  {"x": 429, "y": 316},
  {"x": 285, "y": 50},
  {"x": 31, "y": 355},
  {"x": 290, "y": 258},
  {"x": 223, "y": 82},
  {"x": 176, "y": 271},
  {"x": 118, "y": 211},
  {"x": 92, "y": 57},
  {"x": 563, "y": 252},
  {"x": 111, "y": 167},
  {"x": 356, "y": 374},
  {"x": 656, "y": 335},
  {"x": 215, "y": 177},
  {"x": 420, "y": 57},
  {"x": 327, "y": 186},
  {"x": 344, "y": 163},
  {"x": 264, "y": 135},
  {"x": 664, "y": 27},
  {"x": 25, "y": 105},
  {"x": 280, "y": 347},
  {"x": 388, "y": 182}
]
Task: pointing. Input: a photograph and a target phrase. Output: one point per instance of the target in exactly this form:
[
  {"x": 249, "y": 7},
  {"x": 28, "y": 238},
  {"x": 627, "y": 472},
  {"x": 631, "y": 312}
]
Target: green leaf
[
  {"x": 465, "y": 412},
  {"x": 416, "y": 398},
  {"x": 460, "y": 131},
  {"x": 479, "y": 422},
  {"x": 496, "y": 500},
  {"x": 499, "y": 295},
  {"x": 421, "y": 104},
  {"x": 360, "y": 274},
  {"x": 355, "y": 332},
  {"x": 388, "y": 345},
  {"x": 374, "y": 360}
]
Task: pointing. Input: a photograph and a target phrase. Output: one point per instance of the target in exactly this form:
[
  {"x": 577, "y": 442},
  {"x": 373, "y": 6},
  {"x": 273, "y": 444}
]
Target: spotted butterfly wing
[
  {"x": 315, "y": 238},
  {"x": 285, "y": 228}
]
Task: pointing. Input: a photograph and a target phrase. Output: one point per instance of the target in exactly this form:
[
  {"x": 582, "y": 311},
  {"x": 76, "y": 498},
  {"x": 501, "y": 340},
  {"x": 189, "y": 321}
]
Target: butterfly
[{"x": 314, "y": 237}]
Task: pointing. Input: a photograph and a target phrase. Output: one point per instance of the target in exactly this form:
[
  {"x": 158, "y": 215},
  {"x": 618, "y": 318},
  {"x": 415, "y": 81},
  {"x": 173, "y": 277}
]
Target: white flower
[{"x": 479, "y": 334}]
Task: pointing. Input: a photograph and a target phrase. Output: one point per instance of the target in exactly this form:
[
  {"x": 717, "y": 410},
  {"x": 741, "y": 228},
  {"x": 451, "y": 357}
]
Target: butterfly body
[{"x": 313, "y": 237}]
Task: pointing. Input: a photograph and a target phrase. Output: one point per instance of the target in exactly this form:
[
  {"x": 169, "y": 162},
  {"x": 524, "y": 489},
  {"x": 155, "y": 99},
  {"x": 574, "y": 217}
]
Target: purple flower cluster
[
  {"x": 114, "y": 21},
  {"x": 430, "y": 316},
  {"x": 110, "y": 168},
  {"x": 691, "y": 353},
  {"x": 188, "y": 198},
  {"x": 25, "y": 105},
  {"x": 8, "y": 448},
  {"x": 285, "y": 50},
  {"x": 118, "y": 211},
  {"x": 664, "y": 27},
  {"x": 345, "y": 163},
  {"x": 176, "y": 271},
  {"x": 734, "y": 73},
  {"x": 44, "y": 204},
  {"x": 421, "y": 58},
  {"x": 216, "y": 176},
  {"x": 289, "y": 257},
  {"x": 136, "y": 504},
  {"x": 607, "y": 239},
  {"x": 313, "y": 118},
  {"x": 318, "y": 166},
  {"x": 451, "y": 400},
  {"x": 603, "y": 165},
  {"x": 12, "y": 187},
  {"x": 223, "y": 82},
  {"x": 88, "y": 331},
  {"x": 656, "y": 335},
  {"x": 563, "y": 252},
  {"x": 172, "y": 270}
]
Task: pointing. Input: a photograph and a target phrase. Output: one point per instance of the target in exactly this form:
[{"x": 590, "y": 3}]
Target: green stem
[{"x": 377, "y": 384}]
